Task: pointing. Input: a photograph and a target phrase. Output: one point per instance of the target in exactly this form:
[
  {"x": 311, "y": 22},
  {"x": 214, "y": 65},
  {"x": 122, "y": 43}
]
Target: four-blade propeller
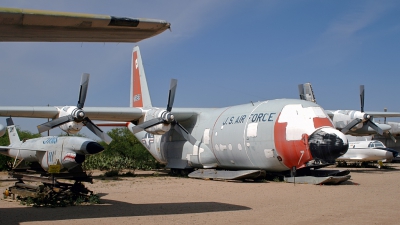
[
  {"x": 77, "y": 115},
  {"x": 367, "y": 119},
  {"x": 167, "y": 118}
]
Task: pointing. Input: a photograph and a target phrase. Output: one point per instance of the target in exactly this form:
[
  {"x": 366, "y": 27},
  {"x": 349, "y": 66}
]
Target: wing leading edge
[
  {"x": 121, "y": 114},
  {"x": 53, "y": 26},
  {"x": 95, "y": 113},
  {"x": 375, "y": 114}
]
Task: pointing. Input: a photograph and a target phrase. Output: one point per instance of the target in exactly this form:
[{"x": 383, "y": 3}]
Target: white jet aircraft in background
[{"x": 368, "y": 151}]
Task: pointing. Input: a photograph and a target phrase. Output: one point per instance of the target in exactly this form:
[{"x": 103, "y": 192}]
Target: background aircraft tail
[
  {"x": 140, "y": 96},
  {"x": 12, "y": 131},
  {"x": 306, "y": 92}
]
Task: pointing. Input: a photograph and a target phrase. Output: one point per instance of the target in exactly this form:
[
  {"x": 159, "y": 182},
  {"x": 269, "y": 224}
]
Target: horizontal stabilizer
[
  {"x": 317, "y": 180},
  {"x": 320, "y": 177}
]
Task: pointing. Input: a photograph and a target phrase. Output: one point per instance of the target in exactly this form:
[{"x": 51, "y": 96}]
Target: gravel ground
[{"x": 369, "y": 197}]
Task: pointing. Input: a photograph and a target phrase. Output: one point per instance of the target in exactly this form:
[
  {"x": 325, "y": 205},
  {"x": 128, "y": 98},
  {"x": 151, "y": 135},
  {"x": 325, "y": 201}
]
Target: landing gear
[
  {"x": 51, "y": 192},
  {"x": 180, "y": 172}
]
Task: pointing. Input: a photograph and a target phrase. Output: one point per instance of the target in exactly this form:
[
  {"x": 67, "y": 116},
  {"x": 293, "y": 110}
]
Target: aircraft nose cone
[
  {"x": 94, "y": 147},
  {"x": 327, "y": 144},
  {"x": 391, "y": 154}
]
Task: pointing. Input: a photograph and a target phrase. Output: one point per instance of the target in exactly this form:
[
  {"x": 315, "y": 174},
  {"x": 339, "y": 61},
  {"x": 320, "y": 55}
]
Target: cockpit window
[{"x": 378, "y": 144}]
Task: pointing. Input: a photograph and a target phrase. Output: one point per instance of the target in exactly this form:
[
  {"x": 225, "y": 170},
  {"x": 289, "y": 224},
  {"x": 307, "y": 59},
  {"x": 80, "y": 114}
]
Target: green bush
[{"x": 124, "y": 152}]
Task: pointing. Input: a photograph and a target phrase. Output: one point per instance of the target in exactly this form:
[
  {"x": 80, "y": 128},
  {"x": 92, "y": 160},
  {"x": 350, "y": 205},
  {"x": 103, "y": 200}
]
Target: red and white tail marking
[{"x": 137, "y": 97}]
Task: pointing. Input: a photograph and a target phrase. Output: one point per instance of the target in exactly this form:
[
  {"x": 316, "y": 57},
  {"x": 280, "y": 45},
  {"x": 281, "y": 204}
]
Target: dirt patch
[{"x": 370, "y": 197}]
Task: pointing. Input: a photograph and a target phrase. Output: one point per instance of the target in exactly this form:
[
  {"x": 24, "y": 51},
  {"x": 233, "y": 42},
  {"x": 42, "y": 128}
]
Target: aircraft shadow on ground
[{"x": 111, "y": 208}]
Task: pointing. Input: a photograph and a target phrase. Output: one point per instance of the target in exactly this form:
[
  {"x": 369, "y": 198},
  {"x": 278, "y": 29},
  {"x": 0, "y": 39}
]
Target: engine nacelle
[
  {"x": 72, "y": 127},
  {"x": 161, "y": 128},
  {"x": 343, "y": 117}
]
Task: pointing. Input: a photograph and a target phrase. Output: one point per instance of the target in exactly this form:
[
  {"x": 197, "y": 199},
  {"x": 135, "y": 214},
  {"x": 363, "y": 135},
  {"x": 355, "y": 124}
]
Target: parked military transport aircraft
[
  {"x": 281, "y": 136},
  {"x": 273, "y": 136},
  {"x": 42, "y": 25},
  {"x": 68, "y": 152}
]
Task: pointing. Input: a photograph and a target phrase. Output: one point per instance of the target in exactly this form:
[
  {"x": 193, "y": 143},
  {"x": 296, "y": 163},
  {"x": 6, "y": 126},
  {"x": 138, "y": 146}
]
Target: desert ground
[{"x": 370, "y": 197}]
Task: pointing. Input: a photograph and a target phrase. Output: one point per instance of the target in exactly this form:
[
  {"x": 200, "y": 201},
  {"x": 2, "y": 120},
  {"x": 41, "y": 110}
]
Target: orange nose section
[
  {"x": 294, "y": 143},
  {"x": 293, "y": 152}
]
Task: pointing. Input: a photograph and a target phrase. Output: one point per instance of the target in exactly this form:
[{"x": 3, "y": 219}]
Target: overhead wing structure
[
  {"x": 25, "y": 25},
  {"x": 95, "y": 113},
  {"x": 121, "y": 114}
]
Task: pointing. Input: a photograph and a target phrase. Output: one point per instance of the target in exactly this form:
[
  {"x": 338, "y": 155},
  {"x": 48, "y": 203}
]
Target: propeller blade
[
  {"x": 385, "y": 110},
  {"x": 54, "y": 123},
  {"x": 362, "y": 96},
  {"x": 352, "y": 124},
  {"x": 83, "y": 90},
  {"x": 375, "y": 127},
  {"x": 171, "y": 96},
  {"x": 392, "y": 137},
  {"x": 97, "y": 131},
  {"x": 147, "y": 124},
  {"x": 185, "y": 134}
]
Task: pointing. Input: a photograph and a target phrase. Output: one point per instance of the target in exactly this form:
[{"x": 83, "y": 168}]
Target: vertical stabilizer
[
  {"x": 12, "y": 131},
  {"x": 306, "y": 92},
  {"x": 140, "y": 96}
]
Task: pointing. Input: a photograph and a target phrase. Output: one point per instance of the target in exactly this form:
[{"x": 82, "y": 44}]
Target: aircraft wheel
[
  {"x": 174, "y": 172},
  {"x": 185, "y": 172}
]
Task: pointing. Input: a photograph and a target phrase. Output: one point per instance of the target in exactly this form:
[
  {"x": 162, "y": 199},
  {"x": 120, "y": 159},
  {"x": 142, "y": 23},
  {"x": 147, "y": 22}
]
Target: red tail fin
[{"x": 140, "y": 96}]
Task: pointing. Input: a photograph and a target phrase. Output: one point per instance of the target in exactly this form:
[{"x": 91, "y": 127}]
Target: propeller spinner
[
  {"x": 367, "y": 119},
  {"x": 167, "y": 118},
  {"x": 77, "y": 115}
]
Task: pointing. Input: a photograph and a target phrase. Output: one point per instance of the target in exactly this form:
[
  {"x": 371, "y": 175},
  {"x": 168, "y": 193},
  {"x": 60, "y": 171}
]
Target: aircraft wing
[
  {"x": 330, "y": 113},
  {"x": 53, "y": 26},
  {"x": 5, "y": 148},
  {"x": 95, "y": 113},
  {"x": 383, "y": 114},
  {"x": 122, "y": 114}
]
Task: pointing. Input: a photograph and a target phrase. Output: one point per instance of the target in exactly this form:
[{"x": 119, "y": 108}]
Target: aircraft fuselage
[{"x": 273, "y": 135}]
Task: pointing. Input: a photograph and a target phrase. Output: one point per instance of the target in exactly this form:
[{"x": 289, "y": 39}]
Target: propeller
[
  {"x": 167, "y": 117},
  {"x": 77, "y": 115},
  {"x": 367, "y": 119}
]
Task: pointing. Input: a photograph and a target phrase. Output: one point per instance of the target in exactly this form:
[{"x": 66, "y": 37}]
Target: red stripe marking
[
  {"x": 322, "y": 122},
  {"x": 290, "y": 151},
  {"x": 137, "y": 90}
]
